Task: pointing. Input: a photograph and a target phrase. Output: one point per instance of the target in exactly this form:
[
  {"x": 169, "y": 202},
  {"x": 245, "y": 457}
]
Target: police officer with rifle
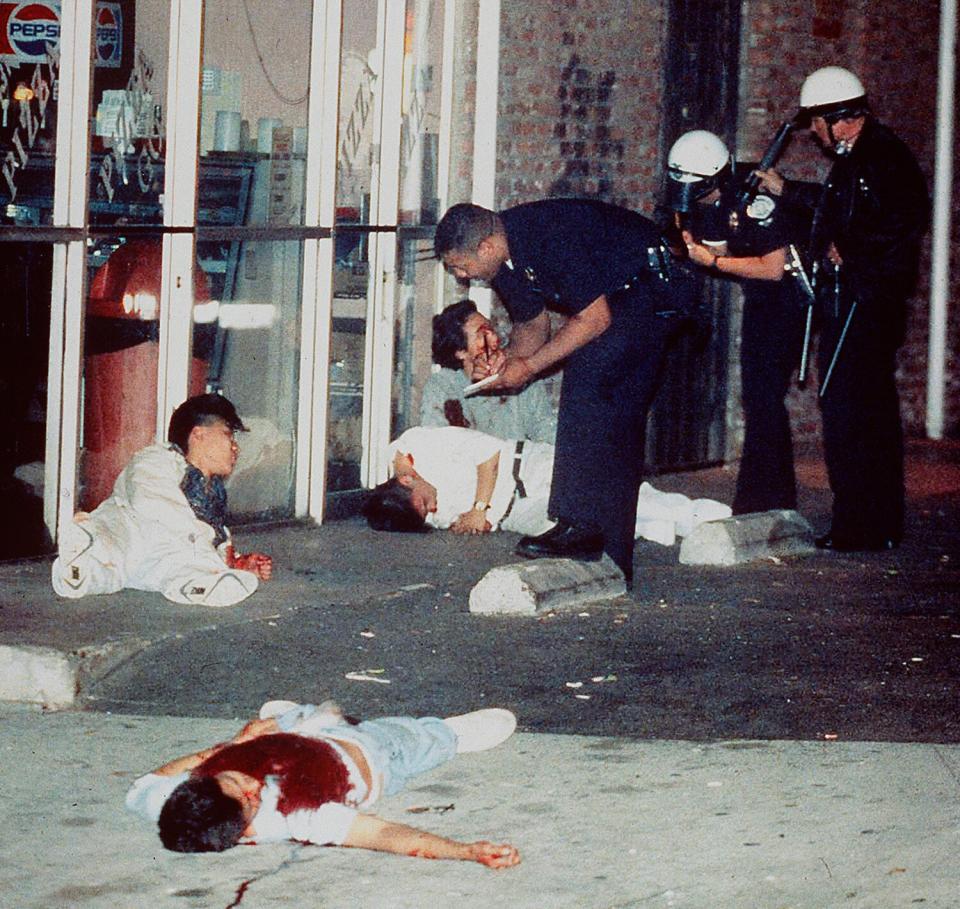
[
  {"x": 736, "y": 233},
  {"x": 868, "y": 221}
]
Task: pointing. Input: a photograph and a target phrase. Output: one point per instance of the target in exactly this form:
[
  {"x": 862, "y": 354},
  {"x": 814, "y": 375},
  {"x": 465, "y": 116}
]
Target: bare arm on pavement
[
  {"x": 371, "y": 832},
  {"x": 251, "y": 730}
]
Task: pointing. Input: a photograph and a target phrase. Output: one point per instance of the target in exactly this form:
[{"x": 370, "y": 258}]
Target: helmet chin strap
[{"x": 841, "y": 147}]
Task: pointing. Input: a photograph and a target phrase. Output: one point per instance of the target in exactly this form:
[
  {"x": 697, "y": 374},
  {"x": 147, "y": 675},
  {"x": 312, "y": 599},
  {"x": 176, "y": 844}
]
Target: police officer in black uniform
[
  {"x": 745, "y": 240},
  {"x": 868, "y": 222},
  {"x": 605, "y": 269}
]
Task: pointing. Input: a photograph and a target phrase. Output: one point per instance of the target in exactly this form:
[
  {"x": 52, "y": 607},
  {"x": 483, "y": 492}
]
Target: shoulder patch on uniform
[{"x": 761, "y": 208}]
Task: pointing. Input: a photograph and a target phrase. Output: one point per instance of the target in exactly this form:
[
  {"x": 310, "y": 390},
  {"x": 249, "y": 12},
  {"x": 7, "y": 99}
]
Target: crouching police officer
[
  {"x": 868, "y": 221},
  {"x": 745, "y": 240}
]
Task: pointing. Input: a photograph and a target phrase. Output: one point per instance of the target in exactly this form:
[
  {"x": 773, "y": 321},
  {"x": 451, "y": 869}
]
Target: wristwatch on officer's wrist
[{"x": 480, "y": 505}]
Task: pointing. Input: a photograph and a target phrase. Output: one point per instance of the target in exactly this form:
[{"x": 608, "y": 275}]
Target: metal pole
[
  {"x": 943, "y": 182},
  {"x": 837, "y": 349}
]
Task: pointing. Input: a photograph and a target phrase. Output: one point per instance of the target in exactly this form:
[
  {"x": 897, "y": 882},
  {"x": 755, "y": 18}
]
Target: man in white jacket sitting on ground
[{"x": 163, "y": 527}]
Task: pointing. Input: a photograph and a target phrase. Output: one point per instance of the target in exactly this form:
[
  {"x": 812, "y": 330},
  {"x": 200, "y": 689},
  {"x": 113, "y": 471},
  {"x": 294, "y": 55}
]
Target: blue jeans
[{"x": 398, "y": 747}]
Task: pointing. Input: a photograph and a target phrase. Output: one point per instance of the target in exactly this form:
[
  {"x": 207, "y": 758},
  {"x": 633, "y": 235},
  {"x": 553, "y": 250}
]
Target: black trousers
[
  {"x": 771, "y": 342},
  {"x": 862, "y": 434},
  {"x": 608, "y": 386}
]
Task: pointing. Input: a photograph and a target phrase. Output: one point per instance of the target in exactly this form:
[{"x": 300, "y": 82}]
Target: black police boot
[
  {"x": 836, "y": 542},
  {"x": 564, "y": 541}
]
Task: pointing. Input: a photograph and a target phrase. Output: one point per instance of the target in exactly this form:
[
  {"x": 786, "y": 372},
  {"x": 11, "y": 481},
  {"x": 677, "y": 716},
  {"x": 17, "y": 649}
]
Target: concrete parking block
[
  {"x": 37, "y": 675},
  {"x": 748, "y": 537},
  {"x": 527, "y": 588},
  {"x": 56, "y": 678}
]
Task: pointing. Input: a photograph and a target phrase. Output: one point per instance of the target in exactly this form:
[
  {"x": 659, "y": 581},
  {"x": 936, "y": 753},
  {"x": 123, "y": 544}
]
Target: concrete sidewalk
[{"x": 600, "y": 823}]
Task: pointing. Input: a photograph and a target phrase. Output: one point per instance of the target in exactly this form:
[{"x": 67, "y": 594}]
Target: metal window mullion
[
  {"x": 378, "y": 362},
  {"x": 68, "y": 276},
  {"x": 315, "y": 364},
  {"x": 391, "y": 114},
  {"x": 483, "y": 191},
  {"x": 68, "y": 286},
  {"x": 180, "y": 205},
  {"x": 444, "y": 139},
  {"x": 72, "y": 156},
  {"x": 322, "y": 118},
  {"x": 317, "y": 297},
  {"x": 385, "y": 188}
]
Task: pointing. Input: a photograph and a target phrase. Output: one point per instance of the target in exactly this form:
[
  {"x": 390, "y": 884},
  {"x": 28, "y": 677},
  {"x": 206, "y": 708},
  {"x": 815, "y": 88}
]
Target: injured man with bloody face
[
  {"x": 306, "y": 773},
  {"x": 470, "y": 483}
]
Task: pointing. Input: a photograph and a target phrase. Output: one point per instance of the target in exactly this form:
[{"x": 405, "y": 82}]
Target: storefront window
[
  {"x": 246, "y": 344},
  {"x": 252, "y": 159},
  {"x": 122, "y": 320},
  {"x": 420, "y": 124}
]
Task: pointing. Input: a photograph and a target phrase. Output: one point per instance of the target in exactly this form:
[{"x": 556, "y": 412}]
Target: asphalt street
[
  {"x": 861, "y": 646},
  {"x": 781, "y": 735}
]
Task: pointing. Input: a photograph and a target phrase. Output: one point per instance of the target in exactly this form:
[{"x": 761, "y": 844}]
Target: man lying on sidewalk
[
  {"x": 303, "y": 773},
  {"x": 163, "y": 527},
  {"x": 469, "y": 482}
]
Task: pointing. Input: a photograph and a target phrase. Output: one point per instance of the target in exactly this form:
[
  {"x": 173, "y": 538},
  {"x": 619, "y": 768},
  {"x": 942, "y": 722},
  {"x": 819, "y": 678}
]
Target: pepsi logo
[
  {"x": 109, "y": 34},
  {"x": 32, "y": 29}
]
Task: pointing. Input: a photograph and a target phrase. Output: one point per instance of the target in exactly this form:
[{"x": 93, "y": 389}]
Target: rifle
[{"x": 770, "y": 156}]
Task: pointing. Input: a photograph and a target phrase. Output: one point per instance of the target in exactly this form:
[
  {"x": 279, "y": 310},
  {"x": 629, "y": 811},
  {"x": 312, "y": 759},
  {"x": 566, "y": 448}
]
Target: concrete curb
[
  {"x": 528, "y": 588},
  {"x": 55, "y": 678},
  {"x": 748, "y": 537}
]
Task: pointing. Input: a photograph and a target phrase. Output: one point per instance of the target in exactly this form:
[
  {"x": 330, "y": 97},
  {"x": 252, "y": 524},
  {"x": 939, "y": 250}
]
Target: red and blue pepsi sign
[
  {"x": 109, "y": 36},
  {"x": 29, "y": 30}
]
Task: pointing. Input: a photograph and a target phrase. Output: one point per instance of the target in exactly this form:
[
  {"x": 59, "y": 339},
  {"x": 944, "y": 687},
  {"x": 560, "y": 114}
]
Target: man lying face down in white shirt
[{"x": 468, "y": 482}]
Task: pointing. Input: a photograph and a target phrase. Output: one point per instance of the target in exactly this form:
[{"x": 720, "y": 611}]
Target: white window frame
[
  {"x": 68, "y": 285},
  {"x": 317, "y": 297}
]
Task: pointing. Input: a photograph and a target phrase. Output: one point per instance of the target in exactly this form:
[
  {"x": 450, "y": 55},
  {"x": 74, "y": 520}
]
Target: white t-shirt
[
  {"x": 447, "y": 457},
  {"x": 327, "y": 825}
]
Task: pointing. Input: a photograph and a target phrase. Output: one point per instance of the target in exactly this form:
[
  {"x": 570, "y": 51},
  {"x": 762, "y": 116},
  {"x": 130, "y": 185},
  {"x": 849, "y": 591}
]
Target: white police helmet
[
  {"x": 832, "y": 92},
  {"x": 698, "y": 162}
]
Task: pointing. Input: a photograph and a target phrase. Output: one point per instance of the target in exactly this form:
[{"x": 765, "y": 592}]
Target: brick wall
[
  {"x": 579, "y": 100},
  {"x": 580, "y": 85}
]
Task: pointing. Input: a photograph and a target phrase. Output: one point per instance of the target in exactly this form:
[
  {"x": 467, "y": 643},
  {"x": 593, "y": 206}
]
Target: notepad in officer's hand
[{"x": 482, "y": 383}]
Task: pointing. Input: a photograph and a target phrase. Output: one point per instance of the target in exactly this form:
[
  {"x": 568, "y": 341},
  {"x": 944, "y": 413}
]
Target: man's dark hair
[
  {"x": 388, "y": 507},
  {"x": 201, "y": 410},
  {"x": 463, "y": 227},
  {"x": 198, "y": 817},
  {"x": 449, "y": 337}
]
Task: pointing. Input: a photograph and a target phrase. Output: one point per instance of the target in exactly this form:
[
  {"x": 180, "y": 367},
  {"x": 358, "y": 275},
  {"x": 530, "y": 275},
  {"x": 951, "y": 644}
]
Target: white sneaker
[
  {"x": 270, "y": 709},
  {"x": 482, "y": 729},
  {"x": 220, "y": 588},
  {"x": 72, "y": 569}
]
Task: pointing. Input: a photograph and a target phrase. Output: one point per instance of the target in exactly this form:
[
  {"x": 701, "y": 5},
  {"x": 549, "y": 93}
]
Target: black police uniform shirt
[
  {"x": 875, "y": 208},
  {"x": 754, "y": 229},
  {"x": 565, "y": 253}
]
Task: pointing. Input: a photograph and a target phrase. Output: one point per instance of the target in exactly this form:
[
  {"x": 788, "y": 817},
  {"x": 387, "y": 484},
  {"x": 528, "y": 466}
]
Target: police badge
[{"x": 761, "y": 208}]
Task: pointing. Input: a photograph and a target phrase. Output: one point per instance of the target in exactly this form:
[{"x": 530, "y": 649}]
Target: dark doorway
[
  {"x": 24, "y": 343},
  {"x": 687, "y": 426}
]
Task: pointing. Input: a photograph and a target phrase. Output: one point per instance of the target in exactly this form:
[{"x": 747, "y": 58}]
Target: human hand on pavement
[
  {"x": 472, "y": 522},
  {"x": 494, "y": 855},
  {"x": 254, "y": 729},
  {"x": 256, "y": 562}
]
